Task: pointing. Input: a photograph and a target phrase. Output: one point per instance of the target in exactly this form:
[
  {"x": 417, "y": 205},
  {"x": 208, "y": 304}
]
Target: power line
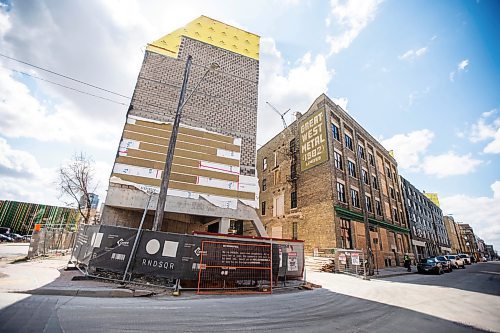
[
  {"x": 62, "y": 85},
  {"x": 64, "y": 76}
]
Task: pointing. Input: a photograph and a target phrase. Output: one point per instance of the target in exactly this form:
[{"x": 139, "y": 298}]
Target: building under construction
[{"x": 213, "y": 183}]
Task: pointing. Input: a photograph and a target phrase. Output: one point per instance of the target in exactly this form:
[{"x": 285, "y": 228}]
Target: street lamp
[{"x": 162, "y": 196}]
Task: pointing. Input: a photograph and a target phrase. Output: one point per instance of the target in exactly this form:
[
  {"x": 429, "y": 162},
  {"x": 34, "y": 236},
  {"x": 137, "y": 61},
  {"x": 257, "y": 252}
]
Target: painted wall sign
[{"x": 313, "y": 140}]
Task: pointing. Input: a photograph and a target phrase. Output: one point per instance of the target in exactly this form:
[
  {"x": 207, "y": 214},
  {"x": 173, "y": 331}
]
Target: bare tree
[{"x": 76, "y": 180}]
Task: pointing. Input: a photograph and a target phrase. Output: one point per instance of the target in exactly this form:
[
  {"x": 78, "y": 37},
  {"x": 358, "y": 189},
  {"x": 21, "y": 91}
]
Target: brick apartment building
[
  {"x": 322, "y": 175},
  {"x": 427, "y": 229},
  {"x": 456, "y": 241},
  {"x": 469, "y": 240},
  {"x": 213, "y": 184}
]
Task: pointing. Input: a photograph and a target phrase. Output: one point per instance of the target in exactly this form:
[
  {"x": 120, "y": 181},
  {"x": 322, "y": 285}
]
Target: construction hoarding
[{"x": 178, "y": 256}]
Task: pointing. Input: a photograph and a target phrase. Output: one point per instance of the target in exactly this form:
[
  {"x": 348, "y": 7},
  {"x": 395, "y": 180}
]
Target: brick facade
[{"x": 321, "y": 218}]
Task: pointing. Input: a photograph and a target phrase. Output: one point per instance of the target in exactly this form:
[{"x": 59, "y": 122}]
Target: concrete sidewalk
[
  {"x": 46, "y": 276},
  {"x": 482, "y": 309},
  {"x": 392, "y": 271}
]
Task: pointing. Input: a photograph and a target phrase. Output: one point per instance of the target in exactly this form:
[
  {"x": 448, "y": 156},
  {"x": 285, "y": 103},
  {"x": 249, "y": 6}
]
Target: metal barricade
[
  {"x": 352, "y": 262},
  {"x": 232, "y": 267},
  {"x": 50, "y": 240}
]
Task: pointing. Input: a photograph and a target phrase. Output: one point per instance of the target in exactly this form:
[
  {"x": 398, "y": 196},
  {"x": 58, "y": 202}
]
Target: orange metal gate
[{"x": 233, "y": 267}]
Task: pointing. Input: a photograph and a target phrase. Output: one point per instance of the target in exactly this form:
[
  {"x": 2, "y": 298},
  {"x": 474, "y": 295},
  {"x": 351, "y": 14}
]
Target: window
[
  {"x": 293, "y": 199},
  {"x": 295, "y": 231},
  {"x": 340, "y": 192},
  {"x": 371, "y": 159},
  {"x": 293, "y": 170},
  {"x": 293, "y": 147},
  {"x": 338, "y": 160},
  {"x": 277, "y": 177},
  {"x": 389, "y": 174},
  {"x": 275, "y": 158},
  {"x": 392, "y": 192},
  {"x": 264, "y": 163},
  {"x": 348, "y": 142},
  {"x": 395, "y": 214},
  {"x": 361, "y": 152},
  {"x": 378, "y": 207},
  {"x": 374, "y": 182},
  {"x": 351, "y": 168},
  {"x": 364, "y": 175},
  {"x": 345, "y": 233},
  {"x": 354, "y": 198},
  {"x": 263, "y": 208},
  {"x": 368, "y": 202},
  {"x": 264, "y": 185},
  {"x": 279, "y": 205},
  {"x": 335, "y": 131}
]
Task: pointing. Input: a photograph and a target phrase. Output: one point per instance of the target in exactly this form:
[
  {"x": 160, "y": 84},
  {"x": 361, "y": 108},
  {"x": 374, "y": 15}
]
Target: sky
[{"x": 423, "y": 77}]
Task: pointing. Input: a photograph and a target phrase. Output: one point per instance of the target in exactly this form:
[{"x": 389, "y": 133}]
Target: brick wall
[{"x": 225, "y": 102}]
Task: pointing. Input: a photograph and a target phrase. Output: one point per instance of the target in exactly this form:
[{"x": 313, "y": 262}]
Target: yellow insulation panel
[{"x": 210, "y": 31}]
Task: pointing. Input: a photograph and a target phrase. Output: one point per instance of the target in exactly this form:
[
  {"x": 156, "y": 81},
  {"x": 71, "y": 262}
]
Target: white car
[
  {"x": 465, "y": 258},
  {"x": 456, "y": 261}
]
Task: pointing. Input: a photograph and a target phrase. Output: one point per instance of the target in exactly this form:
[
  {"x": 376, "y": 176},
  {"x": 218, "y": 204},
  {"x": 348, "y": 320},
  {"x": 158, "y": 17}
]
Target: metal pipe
[{"x": 134, "y": 247}]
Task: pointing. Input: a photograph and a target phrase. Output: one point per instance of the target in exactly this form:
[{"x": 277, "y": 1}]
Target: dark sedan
[{"x": 429, "y": 265}]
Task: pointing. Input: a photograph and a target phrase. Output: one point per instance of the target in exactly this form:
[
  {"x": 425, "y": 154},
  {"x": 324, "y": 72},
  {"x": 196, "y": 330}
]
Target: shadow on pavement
[{"x": 310, "y": 311}]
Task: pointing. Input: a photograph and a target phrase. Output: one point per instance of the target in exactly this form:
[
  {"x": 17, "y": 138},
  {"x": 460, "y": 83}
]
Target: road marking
[{"x": 487, "y": 272}]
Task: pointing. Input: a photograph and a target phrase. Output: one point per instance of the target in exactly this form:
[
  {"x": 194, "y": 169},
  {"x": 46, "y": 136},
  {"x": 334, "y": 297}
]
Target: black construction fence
[{"x": 204, "y": 262}]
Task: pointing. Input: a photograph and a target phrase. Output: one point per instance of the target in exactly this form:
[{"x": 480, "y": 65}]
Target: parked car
[
  {"x": 466, "y": 258},
  {"x": 429, "y": 265},
  {"x": 445, "y": 263},
  {"x": 15, "y": 237},
  {"x": 27, "y": 238},
  {"x": 456, "y": 261},
  {"x": 5, "y": 238}
]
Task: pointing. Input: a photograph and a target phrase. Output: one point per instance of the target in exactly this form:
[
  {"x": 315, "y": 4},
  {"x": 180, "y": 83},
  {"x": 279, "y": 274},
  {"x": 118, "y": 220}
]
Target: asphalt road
[
  {"x": 481, "y": 277},
  {"x": 301, "y": 311}
]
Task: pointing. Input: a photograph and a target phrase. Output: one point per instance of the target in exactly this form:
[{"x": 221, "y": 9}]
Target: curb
[
  {"x": 391, "y": 275},
  {"x": 89, "y": 292}
]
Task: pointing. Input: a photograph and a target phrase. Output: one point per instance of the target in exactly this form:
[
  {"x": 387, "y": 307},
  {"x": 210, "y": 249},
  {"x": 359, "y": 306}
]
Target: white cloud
[
  {"x": 482, "y": 213},
  {"x": 342, "y": 102},
  {"x": 16, "y": 163},
  {"x": 486, "y": 129},
  {"x": 462, "y": 66},
  {"x": 5, "y": 24},
  {"x": 286, "y": 87},
  {"x": 449, "y": 164},
  {"x": 409, "y": 148},
  {"x": 24, "y": 116},
  {"x": 411, "y": 54},
  {"x": 348, "y": 18},
  {"x": 23, "y": 179}
]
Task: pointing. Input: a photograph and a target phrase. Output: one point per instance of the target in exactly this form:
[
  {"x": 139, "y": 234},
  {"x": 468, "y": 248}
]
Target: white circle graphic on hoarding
[{"x": 153, "y": 246}]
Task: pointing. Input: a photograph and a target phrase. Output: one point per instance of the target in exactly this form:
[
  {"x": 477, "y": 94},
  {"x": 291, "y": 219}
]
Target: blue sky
[{"x": 423, "y": 77}]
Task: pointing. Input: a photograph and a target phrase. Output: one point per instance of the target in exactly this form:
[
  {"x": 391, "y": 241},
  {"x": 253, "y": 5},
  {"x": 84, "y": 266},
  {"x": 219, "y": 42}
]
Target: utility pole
[{"x": 162, "y": 197}]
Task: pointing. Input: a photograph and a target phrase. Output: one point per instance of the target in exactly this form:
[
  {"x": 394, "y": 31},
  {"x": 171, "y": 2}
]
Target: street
[
  {"x": 308, "y": 311},
  {"x": 461, "y": 301},
  {"x": 481, "y": 278}
]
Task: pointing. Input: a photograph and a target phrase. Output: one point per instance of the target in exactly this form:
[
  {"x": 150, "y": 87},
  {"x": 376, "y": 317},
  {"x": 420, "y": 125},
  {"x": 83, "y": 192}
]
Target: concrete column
[{"x": 224, "y": 225}]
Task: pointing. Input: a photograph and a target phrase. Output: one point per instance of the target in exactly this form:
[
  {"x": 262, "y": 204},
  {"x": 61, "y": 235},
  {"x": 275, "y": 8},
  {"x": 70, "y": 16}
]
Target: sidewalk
[
  {"x": 482, "y": 309},
  {"x": 46, "y": 276},
  {"x": 392, "y": 271}
]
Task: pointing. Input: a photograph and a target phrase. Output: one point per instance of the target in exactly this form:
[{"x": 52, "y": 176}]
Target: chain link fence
[{"x": 51, "y": 240}]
